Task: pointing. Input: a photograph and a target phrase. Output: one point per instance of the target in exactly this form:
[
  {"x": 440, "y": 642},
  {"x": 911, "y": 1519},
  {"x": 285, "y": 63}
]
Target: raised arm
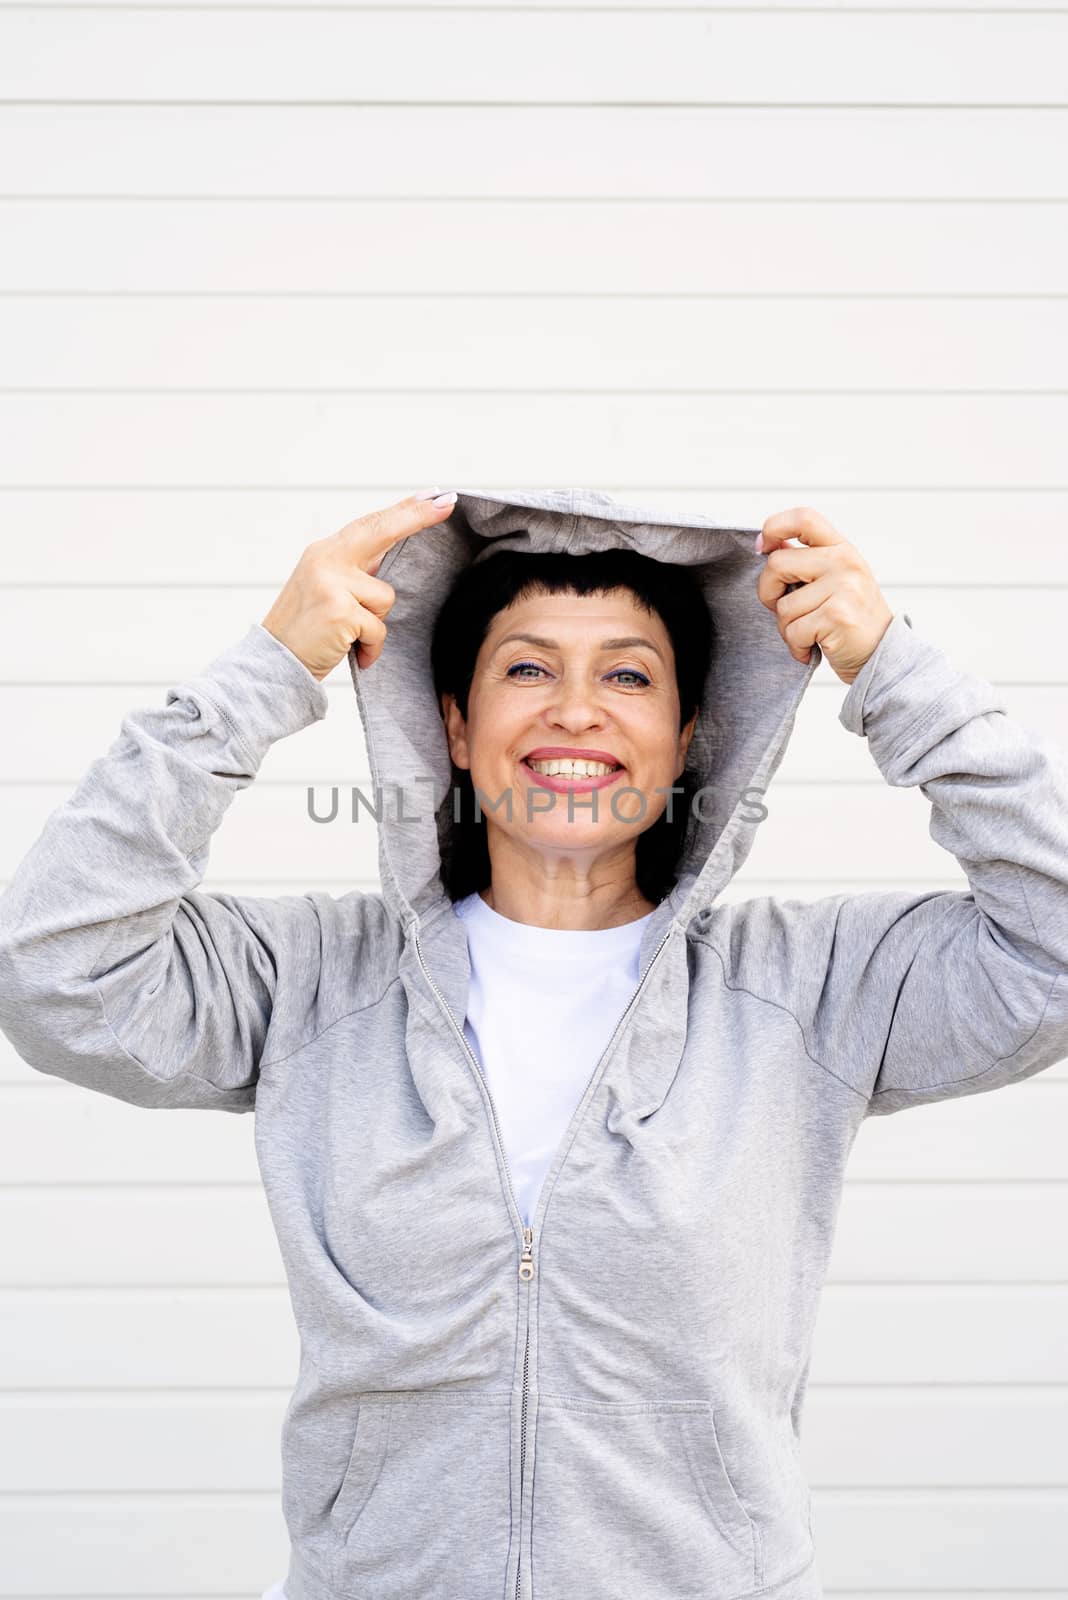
[
  {"x": 908, "y": 998},
  {"x": 116, "y": 971}
]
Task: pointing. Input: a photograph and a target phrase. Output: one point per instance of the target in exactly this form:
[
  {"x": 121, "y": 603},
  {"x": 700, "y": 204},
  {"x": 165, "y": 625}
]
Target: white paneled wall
[{"x": 262, "y": 268}]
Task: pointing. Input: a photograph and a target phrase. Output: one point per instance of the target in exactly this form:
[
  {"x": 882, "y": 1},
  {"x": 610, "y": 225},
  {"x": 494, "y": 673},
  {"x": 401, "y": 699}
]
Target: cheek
[
  {"x": 492, "y": 736},
  {"x": 657, "y": 746}
]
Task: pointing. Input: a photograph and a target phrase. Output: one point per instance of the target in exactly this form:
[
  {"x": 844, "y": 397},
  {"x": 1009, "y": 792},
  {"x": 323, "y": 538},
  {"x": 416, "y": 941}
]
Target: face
[{"x": 592, "y": 674}]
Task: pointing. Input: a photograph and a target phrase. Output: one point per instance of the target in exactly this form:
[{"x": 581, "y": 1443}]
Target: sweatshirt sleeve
[
  {"x": 910, "y": 998},
  {"x": 116, "y": 971}
]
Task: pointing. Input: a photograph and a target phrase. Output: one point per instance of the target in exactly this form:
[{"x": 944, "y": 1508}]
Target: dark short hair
[{"x": 488, "y": 586}]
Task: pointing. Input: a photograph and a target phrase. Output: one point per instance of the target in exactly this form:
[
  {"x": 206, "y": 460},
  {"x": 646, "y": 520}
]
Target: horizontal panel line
[
  {"x": 711, "y": 8},
  {"x": 654, "y": 295},
  {"x": 147, "y": 1291},
  {"x": 879, "y": 1385},
  {"x": 362, "y": 103},
  {"x": 90, "y": 1391},
  {"x": 527, "y": 391},
  {"x": 535, "y": 199},
  {"x": 944, "y": 1284},
  {"x": 138, "y": 1496},
  {"x": 190, "y": 1286},
  {"x": 933, "y": 1491}
]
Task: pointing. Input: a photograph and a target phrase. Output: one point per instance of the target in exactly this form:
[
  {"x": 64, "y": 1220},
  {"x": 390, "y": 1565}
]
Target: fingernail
[
  {"x": 446, "y": 499},
  {"x": 758, "y": 543},
  {"x": 428, "y": 494}
]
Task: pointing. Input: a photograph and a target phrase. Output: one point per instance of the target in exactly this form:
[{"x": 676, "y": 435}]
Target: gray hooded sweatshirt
[{"x": 609, "y": 1402}]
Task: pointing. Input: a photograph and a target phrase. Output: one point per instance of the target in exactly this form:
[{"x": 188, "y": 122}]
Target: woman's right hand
[{"x": 332, "y": 597}]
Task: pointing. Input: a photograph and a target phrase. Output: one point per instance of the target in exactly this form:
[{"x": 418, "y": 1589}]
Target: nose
[{"x": 575, "y": 705}]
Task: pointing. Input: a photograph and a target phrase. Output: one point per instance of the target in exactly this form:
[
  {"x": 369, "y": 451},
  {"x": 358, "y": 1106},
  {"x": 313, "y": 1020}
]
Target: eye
[
  {"x": 629, "y": 672},
  {"x": 624, "y": 672}
]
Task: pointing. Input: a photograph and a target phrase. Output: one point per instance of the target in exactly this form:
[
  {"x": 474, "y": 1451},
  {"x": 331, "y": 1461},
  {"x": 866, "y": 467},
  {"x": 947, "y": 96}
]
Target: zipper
[
  {"x": 526, "y": 1259},
  {"x": 526, "y": 1272}
]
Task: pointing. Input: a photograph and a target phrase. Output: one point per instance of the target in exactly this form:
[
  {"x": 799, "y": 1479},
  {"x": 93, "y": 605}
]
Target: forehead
[{"x": 572, "y": 615}]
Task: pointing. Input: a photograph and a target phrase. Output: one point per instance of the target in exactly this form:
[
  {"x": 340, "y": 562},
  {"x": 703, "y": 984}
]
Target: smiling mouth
[
  {"x": 562, "y": 767},
  {"x": 569, "y": 778}
]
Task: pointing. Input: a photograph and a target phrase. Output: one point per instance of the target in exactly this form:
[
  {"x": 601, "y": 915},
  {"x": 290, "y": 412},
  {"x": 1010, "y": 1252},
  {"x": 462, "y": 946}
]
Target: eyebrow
[{"x": 606, "y": 644}]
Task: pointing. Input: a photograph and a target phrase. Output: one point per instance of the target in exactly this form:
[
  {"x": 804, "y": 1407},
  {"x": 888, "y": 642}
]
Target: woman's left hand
[{"x": 840, "y": 606}]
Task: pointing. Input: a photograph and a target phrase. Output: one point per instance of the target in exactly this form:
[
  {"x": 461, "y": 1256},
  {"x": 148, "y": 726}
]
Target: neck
[{"x": 580, "y": 912}]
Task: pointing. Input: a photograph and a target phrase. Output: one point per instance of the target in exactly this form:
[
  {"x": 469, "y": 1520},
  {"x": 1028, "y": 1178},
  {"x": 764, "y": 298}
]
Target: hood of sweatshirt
[{"x": 751, "y": 696}]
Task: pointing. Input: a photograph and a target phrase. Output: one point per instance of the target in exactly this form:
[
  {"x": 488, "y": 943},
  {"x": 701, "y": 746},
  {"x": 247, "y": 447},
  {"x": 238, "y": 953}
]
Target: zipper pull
[{"x": 526, "y": 1262}]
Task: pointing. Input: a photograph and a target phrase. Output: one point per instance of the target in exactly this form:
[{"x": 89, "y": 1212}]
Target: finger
[
  {"x": 799, "y": 522},
  {"x": 802, "y": 602},
  {"x": 800, "y": 633},
  {"x": 374, "y": 594},
  {"x": 369, "y": 635},
  {"x": 366, "y": 539},
  {"x": 789, "y": 564}
]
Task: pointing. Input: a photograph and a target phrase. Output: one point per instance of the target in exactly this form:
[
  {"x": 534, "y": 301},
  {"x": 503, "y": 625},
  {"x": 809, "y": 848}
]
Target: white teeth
[{"x": 564, "y": 768}]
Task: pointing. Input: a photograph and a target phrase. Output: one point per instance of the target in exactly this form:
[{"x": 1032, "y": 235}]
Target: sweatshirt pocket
[
  {"x": 635, "y": 1497},
  {"x": 364, "y": 1464},
  {"x": 423, "y": 1507}
]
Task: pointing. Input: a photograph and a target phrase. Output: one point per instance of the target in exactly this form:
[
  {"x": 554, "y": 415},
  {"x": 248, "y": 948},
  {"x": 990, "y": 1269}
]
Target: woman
[{"x": 555, "y": 1179}]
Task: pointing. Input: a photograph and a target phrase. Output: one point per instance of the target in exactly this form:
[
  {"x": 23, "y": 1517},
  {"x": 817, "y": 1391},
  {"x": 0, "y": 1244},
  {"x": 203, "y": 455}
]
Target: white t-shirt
[{"x": 542, "y": 1006}]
